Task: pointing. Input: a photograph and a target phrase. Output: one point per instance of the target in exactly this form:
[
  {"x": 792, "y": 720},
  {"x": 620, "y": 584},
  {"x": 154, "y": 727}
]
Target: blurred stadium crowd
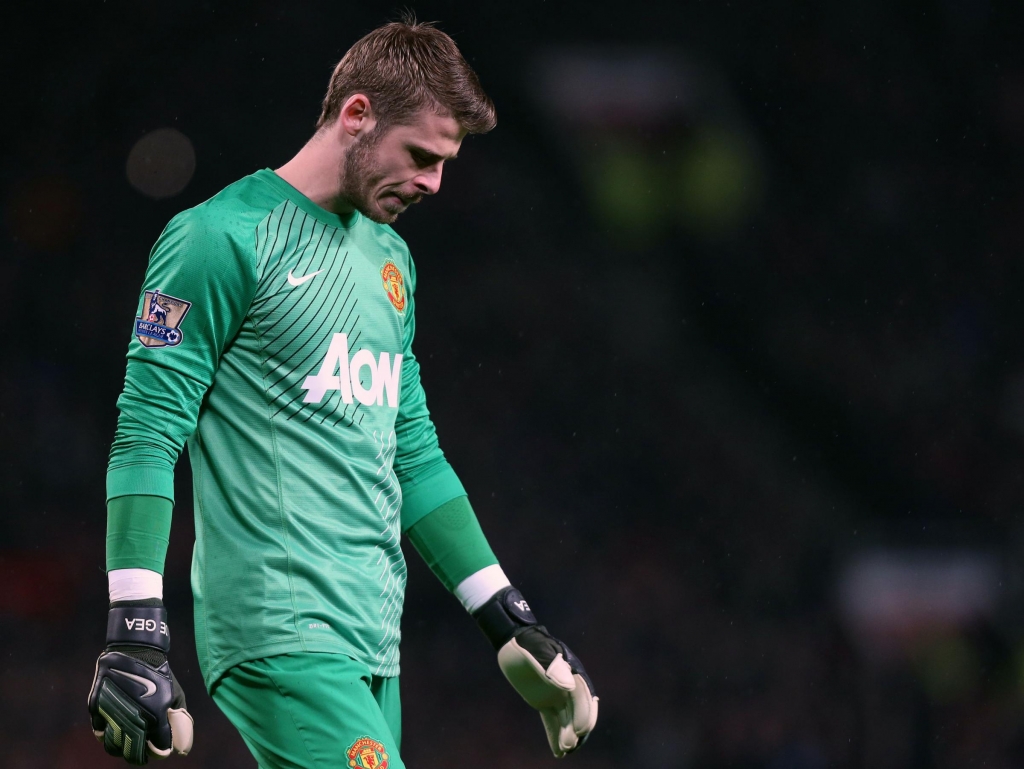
[{"x": 719, "y": 327}]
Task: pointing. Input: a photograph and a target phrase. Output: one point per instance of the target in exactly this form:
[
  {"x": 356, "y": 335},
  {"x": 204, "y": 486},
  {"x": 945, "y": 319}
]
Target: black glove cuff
[
  {"x": 132, "y": 624},
  {"x": 505, "y": 614}
]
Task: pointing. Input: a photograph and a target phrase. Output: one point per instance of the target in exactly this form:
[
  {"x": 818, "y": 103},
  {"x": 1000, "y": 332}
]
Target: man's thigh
[
  {"x": 310, "y": 711},
  {"x": 385, "y": 692}
]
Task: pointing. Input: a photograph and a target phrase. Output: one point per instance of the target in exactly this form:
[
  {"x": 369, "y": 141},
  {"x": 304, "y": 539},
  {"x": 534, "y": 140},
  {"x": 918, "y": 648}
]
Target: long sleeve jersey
[{"x": 275, "y": 338}]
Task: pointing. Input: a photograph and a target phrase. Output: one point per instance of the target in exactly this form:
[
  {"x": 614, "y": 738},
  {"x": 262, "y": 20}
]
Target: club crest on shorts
[
  {"x": 394, "y": 284},
  {"x": 367, "y": 753},
  {"x": 157, "y": 326}
]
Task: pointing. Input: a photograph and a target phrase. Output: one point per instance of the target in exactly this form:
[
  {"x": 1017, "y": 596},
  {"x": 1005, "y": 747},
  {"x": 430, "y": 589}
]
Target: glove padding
[
  {"x": 136, "y": 706},
  {"x": 542, "y": 669}
]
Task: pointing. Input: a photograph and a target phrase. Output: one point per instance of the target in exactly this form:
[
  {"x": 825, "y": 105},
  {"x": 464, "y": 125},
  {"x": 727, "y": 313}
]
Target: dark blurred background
[{"x": 720, "y": 328}]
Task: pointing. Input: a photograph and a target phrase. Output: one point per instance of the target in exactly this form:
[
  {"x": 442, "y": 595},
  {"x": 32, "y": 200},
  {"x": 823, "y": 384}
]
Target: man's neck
[{"x": 316, "y": 172}]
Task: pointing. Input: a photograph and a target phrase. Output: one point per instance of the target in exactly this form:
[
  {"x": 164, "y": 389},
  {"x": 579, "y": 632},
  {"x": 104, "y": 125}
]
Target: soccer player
[{"x": 274, "y": 336}]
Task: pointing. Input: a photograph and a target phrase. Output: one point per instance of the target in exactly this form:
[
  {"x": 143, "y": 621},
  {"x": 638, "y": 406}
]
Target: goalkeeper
[{"x": 274, "y": 337}]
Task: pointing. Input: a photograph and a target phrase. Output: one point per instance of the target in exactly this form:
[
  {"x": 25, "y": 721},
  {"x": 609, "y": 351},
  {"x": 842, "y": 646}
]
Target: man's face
[{"x": 386, "y": 172}]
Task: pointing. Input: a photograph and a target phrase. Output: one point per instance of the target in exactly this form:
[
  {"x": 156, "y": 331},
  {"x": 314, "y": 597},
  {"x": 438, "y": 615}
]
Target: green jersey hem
[{"x": 217, "y": 670}]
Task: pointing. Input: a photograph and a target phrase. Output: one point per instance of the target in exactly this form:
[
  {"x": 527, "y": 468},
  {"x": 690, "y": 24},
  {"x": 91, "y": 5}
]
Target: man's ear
[{"x": 356, "y": 115}]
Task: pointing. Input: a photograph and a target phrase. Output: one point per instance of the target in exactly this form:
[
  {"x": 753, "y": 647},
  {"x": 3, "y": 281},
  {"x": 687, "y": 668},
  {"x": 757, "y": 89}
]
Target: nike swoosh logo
[
  {"x": 299, "y": 281},
  {"x": 150, "y": 686}
]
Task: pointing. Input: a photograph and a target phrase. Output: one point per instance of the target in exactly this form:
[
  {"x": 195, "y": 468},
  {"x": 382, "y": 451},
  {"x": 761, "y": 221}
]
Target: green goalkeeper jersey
[{"x": 276, "y": 339}]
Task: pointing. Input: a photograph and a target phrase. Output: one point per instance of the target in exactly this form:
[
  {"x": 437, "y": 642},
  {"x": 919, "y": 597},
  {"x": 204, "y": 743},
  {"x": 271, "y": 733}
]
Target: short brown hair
[{"x": 403, "y": 67}]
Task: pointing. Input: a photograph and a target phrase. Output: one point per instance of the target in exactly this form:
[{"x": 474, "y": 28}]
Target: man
[{"x": 283, "y": 356}]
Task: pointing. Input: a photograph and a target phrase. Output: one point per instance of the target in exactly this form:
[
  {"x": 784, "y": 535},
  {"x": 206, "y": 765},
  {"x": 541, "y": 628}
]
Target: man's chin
[
  {"x": 387, "y": 210},
  {"x": 375, "y": 212},
  {"x": 382, "y": 217}
]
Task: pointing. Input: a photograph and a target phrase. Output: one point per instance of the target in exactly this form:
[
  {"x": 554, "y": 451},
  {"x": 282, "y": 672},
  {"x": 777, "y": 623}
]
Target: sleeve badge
[{"x": 161, "y": 316}]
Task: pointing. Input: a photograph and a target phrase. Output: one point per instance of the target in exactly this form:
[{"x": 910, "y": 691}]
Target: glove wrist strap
[
  {"x": 504, "y": 615},
  {"x": 135, "y": 625}
]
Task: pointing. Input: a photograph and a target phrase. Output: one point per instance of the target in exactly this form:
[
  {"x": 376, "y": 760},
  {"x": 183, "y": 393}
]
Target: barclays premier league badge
[{"x": 161, "y": 316}]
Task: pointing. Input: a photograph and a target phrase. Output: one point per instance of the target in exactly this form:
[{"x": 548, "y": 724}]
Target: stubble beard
[{"x": 360, "y": 176}]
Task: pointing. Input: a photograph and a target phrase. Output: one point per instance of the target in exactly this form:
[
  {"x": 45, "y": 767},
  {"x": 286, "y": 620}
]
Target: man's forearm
[
  {"x": 450, "y": 540},
  {"x": 138, "y": 530}
]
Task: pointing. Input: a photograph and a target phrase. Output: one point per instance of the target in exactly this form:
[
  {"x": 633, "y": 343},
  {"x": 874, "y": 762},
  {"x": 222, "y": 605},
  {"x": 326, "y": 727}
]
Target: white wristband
[
  {"x": 134, "y": 584},
  {"x": 476, "y": 589}
]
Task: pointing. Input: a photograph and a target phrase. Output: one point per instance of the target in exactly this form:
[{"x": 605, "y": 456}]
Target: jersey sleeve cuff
[
  {"x": 425, "y": 495},
  {"x": 147, "y": 480}
]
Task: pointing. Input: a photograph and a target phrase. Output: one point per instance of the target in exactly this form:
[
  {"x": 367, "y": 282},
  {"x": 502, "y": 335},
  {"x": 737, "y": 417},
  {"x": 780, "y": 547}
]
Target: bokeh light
[{"x": 161, "y": 163}]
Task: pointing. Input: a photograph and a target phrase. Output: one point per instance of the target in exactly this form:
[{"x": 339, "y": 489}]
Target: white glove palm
[
  {"x": 564, "y": 699},
  {"x": 542, "y": 669}
]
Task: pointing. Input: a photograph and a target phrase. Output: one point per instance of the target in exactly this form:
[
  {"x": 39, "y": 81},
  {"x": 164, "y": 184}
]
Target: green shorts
[{"x": 313, "y": 711}]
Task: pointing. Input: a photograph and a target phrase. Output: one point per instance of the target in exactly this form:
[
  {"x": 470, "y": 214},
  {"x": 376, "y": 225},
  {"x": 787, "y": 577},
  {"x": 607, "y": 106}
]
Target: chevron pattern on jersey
[
  {"x": 298, "y": 322},
  {"x": 393, "y": 569}
]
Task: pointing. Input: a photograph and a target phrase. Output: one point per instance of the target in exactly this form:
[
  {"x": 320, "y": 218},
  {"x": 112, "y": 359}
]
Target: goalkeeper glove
[
  {"x": 136, "y": 706},
  {"x": 542, "y": 669}
]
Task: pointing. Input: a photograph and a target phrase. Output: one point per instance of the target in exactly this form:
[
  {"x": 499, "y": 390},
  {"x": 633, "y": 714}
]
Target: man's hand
[
  {"x": 136, "y": 706},
  {"x": 542, "y": 669}
]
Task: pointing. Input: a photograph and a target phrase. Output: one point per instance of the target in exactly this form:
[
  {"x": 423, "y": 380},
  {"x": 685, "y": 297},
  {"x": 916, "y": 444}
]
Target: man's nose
[{"x": 428, "y": 181}]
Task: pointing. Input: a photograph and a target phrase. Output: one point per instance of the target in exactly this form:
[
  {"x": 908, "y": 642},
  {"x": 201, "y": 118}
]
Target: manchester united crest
[
  {"x": 394, "y": 284},
  {"x": 367, "y": 753},
  {"x": 162, "y": 314}
]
